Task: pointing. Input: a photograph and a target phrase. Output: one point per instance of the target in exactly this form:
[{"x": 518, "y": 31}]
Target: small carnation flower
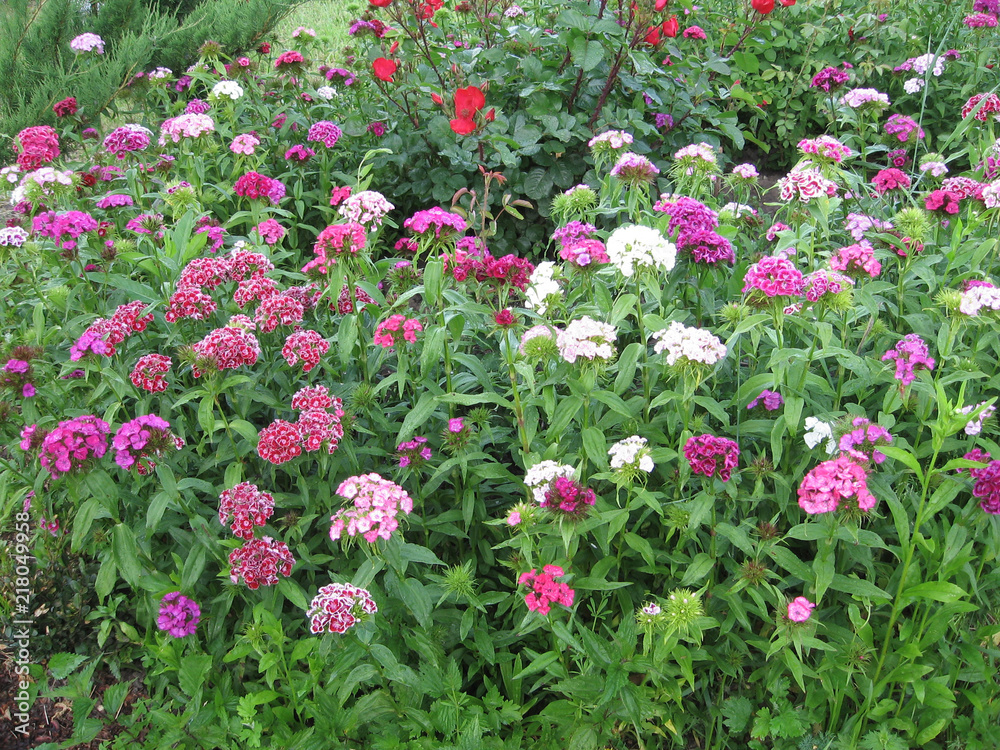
[
  {"x": 338, "y": 607},
  {"x": 712, "y": 456},
  {"x": 800, "y": 609},
  {"x": 178, "y": 616}
]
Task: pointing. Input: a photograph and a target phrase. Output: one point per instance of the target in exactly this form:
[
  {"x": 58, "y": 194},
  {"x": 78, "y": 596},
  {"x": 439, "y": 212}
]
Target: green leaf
[
  {"x": 736, "y": 713},
  {"x": 905, "y": 457},
  {"x": 106, "y": 579},
  {"x": 417, "y": 600},
  {"x": 417, "y": 416},
  {"x": 700, "y": 567},
  {"x": 194, "y": 669},
  {"x": 538, "y": 664},
  {"x": 114, "y": 696},
  {"x": 416, "y": 553},
  {"x": 126, "y": 554},
  {"x": 293, "y": 593},
  {"x": 194, "y": 565},
  {"x": 939, "y": 591},
  {"x": 90, "y": 511},
  {"x": 858, "y": 587},
  {"x": 595, "y": 446},
  {"x": 584, "y": 738},
  {"x": 62, "y": 665}
]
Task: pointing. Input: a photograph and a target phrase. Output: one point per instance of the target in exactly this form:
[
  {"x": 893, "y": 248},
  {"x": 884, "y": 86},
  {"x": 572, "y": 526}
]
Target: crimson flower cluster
[
  {"x": 712, "y": 456},
  {"x": 987, "y": 486},
  {"x": 256, "y": 186},
  {"x": 247, "y": 506},
  {"x": 190, "y": 298},
  {"x": 36, "y": 146},
  {"x": 259, "y": 561},
  {"x": 225, "y": 348},
  {"x": 306, "y": 347},
  {"x": 281, "y": 441},
  {"x": 338, "y": 607}
]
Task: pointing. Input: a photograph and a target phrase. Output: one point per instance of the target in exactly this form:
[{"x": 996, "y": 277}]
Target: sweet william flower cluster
[{"x": 377, "y": 505}]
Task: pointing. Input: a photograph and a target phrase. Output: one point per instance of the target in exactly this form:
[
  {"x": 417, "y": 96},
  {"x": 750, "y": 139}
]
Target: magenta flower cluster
[
  {"x": 179, "y": 616},
  {"x": 910, "y": 354},
  {"x": 71, "y": 445},
  {"x": 413, "y": 452},
  {"x": 443, "y": 223},
  {"x": 712, "y": 456},
  {"x": 396, "y": 328},
  {"x": 139, "y": 439},
  {"x": 775, "y": 277},
  {"x": 987, "y": 487},
  {"x": 827, "y": 485},
  {"x": 377, "y": 503},
  {"x": 568, "y": 497},
  {"x": 862, "y": 442}
]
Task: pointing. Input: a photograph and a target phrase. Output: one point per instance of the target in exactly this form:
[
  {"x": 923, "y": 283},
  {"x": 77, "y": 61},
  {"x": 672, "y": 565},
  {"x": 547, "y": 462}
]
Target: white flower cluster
[
  {"x": 817, "y": 432},
  {"x": 631, "y": 452},
  {"x": 540, "y": 476},
  {"x": 586, "y": 338},
  {"x": 634, "y": 245},
  {"x": 923, "y": 63},
  {"x": 366, "y": 208},
  {"x": 326, "y": 93},
  {"x": 991, "y": 194},
  {"x": 543, "y": 287},
  {"x": 690, "y": 344},
  {"x": 226, "y": 90},
  {"x": 978, "y": 297},
  {"x": 695, "y": 151}
]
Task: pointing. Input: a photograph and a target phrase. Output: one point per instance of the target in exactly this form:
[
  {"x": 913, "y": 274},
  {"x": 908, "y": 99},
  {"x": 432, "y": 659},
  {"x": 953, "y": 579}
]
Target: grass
[{"x": 330, "y": 19}]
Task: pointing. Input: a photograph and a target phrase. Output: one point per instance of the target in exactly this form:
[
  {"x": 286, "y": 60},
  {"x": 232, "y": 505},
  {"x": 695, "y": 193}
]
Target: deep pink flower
[{"x": 704, "y": 453}]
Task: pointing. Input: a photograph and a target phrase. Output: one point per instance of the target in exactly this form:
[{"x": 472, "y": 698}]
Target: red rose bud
[
  {"x": 762, "y": 6},
  {"x": 660, "y": 5},
  {"x": 671, "y": 26},
  {"x": 436, "y": 98},
  {"x": 491, "y": 115},
  {"x": 393, "y": 48},
  {"x": 653, "y": 35}
]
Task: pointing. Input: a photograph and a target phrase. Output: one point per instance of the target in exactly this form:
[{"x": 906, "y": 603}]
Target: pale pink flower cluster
[
  {"x": 367, "y": 208},
  {"x": 828, "y": 484},
  {"x": 539, "y": 478},
  {"x": 586, "y": 338},
  {"x": 244, "y": 144},
  {"x": 746, "y": 171},
  {"x": 87, "y": 43},
  {"x": 806, "y": 184},
  {"x": 683, "y": 345},
  {"x": 377, "y": 503},
  {"x": 991, "y": 195},
  {"x": 185, "y": 126},
  {"x": 612, "y": 139},
  {"x": 979, "y": 297},
  {"x": 338, "y": 607},
  {"x": 696, "y": 152},
  {"x": 856, "y": 260},
  {"x": 858, "y": 224},
  {"x": 826, "y": 147},
  {"x": 865, "y": 99}
]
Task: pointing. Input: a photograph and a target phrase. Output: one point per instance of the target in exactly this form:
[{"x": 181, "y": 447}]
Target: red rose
[
  {"x": 653, "y": 35},
  {"x": 660, "y": 5},
  {"x": 671, "y": 26},
  {"x": 762, "y": 6},
  {"x": 463, "y": 125},
  {"x": 787, "y": 3},
  {"x": 468, "y": 101},
  {"x": 381, "y": 3},
  {"x": 384, "y": 69}
]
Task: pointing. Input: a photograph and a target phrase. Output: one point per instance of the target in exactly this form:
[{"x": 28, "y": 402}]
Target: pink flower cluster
[
  {"x": 890, "y": 179},
  {"x": 127, "y": 139},
  {"x": 335, "y": 241},
  {"x": 137, "y": 441},
  {"x": 909, "y": 355},
  {"x": 278, "y": 309},
  {"x": 861, "y": 444},
  {"x": 306, "y": 347},
  {"x": 568, "y": 497},
  {"x": 282, "y": 441},
  {"x": 64, "y": 228},
  {"x": 256, "y": 186},
  {"x": 775, "y": 277},
  {"x": 396, "y": 328},
  {"x": 820, "y": 283},
  {"x": 185, "y": 126},
  {"x": 585, "y": 253},
  {"x": 270, "y": 231},
  {"x": 856, "y": 261},
  {"x": 831, "y": 79},
  {"x": 225, "y": 348},
  {"x": 943, "y": 200},
  {"x": 904, "y": 128},
  {"x": 858, "y": 224},
  {"x": 377, "y": 503},
  {"x": 259, "y": 561},
  {"x": 248, "y": 507},
  {"x": 324, "y": 132},
  {"x": 344, "y": 304},
  {"x": 545, "y": 590},
  {"x": 704, "y": 453},
  {"x": 104, "y": 334},
  {"x": 826, "y": 147},
  {"x": 831, "y": 482},
  {"x": 443, "y": 222},
  {"x": 338, "y": 607},
  {"x": 71, "y": 445},
  {"x": 36, "y": 146},
  {"x": 190, "y": 299}
]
